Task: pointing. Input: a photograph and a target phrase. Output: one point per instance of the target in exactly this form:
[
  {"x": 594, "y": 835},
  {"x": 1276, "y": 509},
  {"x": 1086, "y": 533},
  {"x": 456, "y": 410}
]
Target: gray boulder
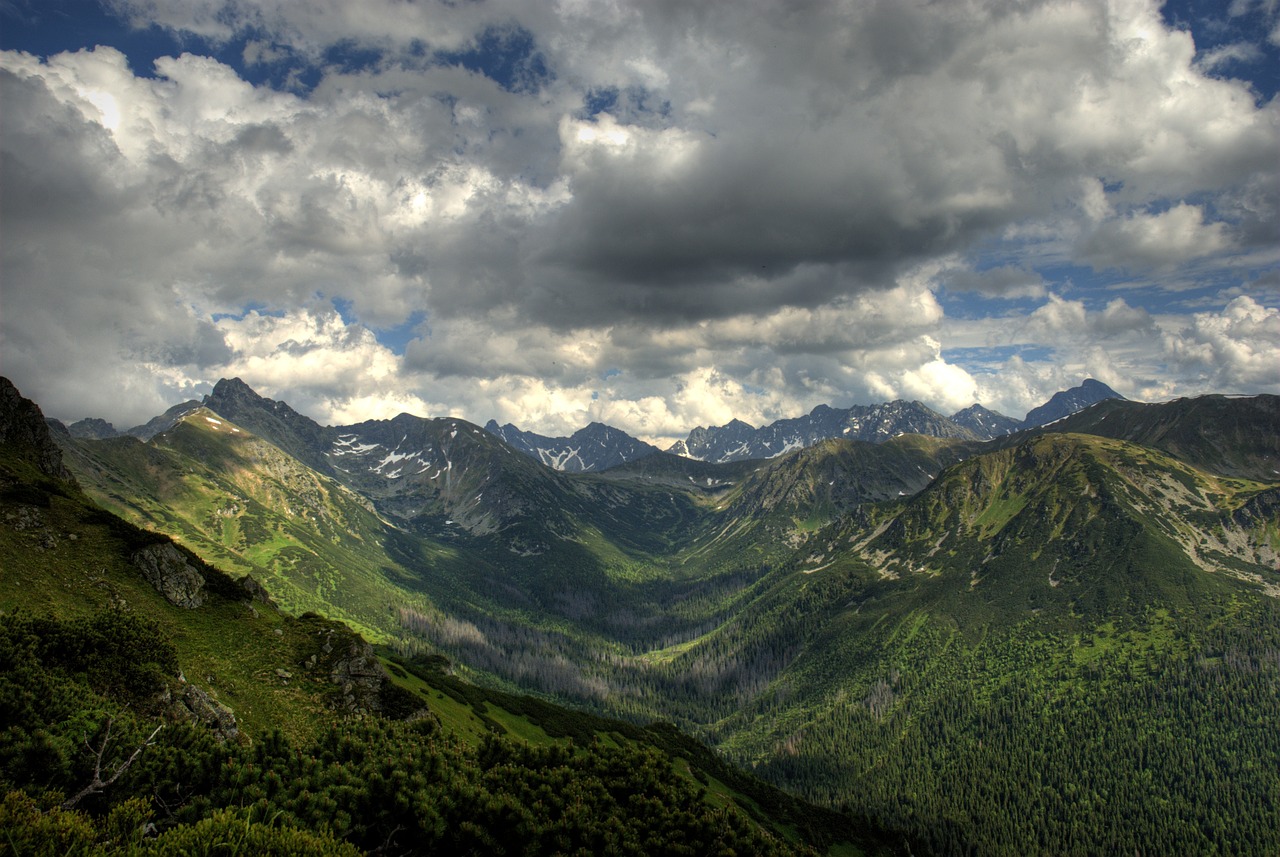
[{"x": 168, "y": 570}]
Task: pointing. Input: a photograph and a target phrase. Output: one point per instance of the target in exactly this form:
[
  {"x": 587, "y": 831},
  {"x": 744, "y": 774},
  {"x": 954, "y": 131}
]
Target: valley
[{"x": 1063, "y": 639}]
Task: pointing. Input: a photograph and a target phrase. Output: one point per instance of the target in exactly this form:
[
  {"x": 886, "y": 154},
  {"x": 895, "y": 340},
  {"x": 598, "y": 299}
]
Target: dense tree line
[
  {"x": 81, "y": 702},
  {"x": 1148, "y": 741},
  {"x": 1108, "y": 727}
]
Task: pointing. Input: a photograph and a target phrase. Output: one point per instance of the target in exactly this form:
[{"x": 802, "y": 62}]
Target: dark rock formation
[
  {"x": 93, "y": 429},
  {"x": 22, "y": 424},
  {"x": 256, "y": 590},
  {"x": 359, "y": 675},
  {"x": 198, "y": 706},
  {"x": 169, "y": 571}
]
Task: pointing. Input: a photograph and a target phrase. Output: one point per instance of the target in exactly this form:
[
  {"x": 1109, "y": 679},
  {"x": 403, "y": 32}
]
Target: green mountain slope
[
  {"x": 64, "y": 556},
  {"x": 164, "y": 692},
  {"x": 1068, "y": 646},
  {"x": 1051, "y": 643},
  {"x": 799, "y": 493},
  {"x": 1094, "y": 513},
  {"x": 246, "y": 506}
]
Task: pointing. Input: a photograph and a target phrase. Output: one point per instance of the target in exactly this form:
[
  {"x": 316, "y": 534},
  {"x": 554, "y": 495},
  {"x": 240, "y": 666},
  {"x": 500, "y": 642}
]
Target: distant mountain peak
[
  {"x": 1067, "y": 402},
  {"x": 739, "y": 441},
  {"x": 93, "y": 428},
  {"x": 229, "y": 390},
  {"x": 296, "y": 434},
  {"x": 985, "y": 423},
  {"x": 233, "y": 387},
  {"x": 596, "y": 447}
]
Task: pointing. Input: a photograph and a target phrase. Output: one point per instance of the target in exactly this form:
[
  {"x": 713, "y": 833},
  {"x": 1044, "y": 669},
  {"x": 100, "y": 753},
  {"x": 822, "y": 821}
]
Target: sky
[{"x": 656, "y": 214}]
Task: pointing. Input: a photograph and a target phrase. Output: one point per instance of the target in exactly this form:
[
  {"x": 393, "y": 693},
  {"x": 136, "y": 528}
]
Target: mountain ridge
[
  {"x": 818, "y": 615},
  {"x": 593, "y": 448},
  {"x": 1232, "y": 436},
  {"x": 597, "y": 446}
]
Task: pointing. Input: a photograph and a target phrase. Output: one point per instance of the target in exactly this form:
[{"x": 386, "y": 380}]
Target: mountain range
[
  {"x": 876, "y": 423},
  {"x": 910, "y": 630},
  {"x": 598, "y": 446}
]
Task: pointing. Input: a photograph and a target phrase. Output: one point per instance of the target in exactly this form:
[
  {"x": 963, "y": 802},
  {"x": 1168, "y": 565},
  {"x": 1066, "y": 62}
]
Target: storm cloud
[{"x": 655, "y": 214}]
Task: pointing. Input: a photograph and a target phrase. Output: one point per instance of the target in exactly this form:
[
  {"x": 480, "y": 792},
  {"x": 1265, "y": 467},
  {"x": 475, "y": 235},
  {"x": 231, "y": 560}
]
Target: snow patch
[
  {"x": 559, "y": 460},
  {"x": 349, "y": 444}
]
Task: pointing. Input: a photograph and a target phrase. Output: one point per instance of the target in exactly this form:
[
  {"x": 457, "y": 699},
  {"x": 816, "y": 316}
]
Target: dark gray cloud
[
  {"x": 660, "y": 213},
  {"x": 1009, "y": 281}
]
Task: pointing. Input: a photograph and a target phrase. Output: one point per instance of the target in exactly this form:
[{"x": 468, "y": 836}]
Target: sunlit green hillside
[
  {"x": 190, "y": 703},
  {"x": 911, "y": 632}
]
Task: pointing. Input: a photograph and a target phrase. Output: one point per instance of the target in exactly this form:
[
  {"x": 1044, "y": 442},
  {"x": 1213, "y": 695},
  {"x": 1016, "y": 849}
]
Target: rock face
[
  {"x": 347, "y": 661},
  {"x": 359, "y": 675},
  {"x": 171, "y": 574},
  {"x": 22, "y": 424},
  {"x": 199, "y": 706}
]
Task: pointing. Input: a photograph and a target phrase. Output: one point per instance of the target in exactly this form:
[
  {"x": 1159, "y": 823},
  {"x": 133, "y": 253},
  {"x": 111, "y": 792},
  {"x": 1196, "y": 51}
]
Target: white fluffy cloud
[
  {"x": 669, "y": 215},
  {"x": 1162, "y": 241},
  {"x": 1236, "y": 350}
]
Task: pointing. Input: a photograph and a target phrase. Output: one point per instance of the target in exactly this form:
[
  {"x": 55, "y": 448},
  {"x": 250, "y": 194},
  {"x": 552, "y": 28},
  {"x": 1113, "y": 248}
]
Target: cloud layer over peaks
[{"x": 657, "y": 215}]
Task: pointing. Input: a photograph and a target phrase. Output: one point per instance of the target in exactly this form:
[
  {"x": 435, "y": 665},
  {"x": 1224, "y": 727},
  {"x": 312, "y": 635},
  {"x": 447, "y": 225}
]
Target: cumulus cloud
[
  {"x": 1059, "y": 320},
  {"x": 1163, "y": 241},
  {"x": 658, "y": 214},
  {"x": 1006, "y": 281},
  {"x": 1236, "y": 350}
]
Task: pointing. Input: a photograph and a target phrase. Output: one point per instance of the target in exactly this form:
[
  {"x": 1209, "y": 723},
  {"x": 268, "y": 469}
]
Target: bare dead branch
[{"x": 97, "y": 784}]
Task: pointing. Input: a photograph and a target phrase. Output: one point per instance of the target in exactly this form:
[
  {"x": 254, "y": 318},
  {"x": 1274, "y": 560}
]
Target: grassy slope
[
  {"x": 1076, "y": 570},
  {"x": 65, "y": 557},
  {"x": 242, "y": 504},
  {"x": 1028, "y": 613}
]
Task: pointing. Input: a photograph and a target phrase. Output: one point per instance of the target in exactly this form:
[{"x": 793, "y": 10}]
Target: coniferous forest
[{"x": 78, "y": 700}]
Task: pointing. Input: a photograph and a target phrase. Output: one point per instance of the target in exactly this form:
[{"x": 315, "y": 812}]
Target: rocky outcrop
[
  {"x": 22, "y": 424},
  {"x": 198, "y": 706},
  {"x": 348, "y": 662},
  {"x": 173, "y": 576},
  {"x": 255, "y": 590},
  {"x": 359, "y": 675}
]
